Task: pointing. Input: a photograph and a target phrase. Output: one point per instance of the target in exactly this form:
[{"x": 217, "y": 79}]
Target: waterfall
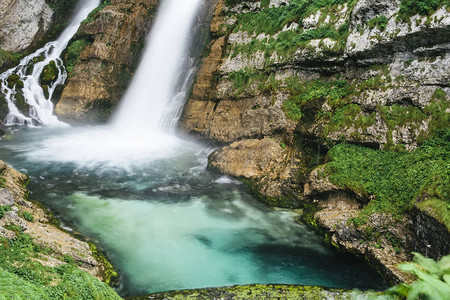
[
  {"x": 28, "y": 74},
  {"x": 152, "y": 101}
]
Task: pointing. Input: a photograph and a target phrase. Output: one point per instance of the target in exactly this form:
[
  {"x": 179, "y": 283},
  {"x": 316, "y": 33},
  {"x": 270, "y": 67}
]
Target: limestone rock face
[
  {"x": 22, "y": 22},
  {"x": 358, "y": 72},
  {"x": 269, "y": 166},
  {"x": 102, "y": 58},
  {"x": 387, "y": 65}
]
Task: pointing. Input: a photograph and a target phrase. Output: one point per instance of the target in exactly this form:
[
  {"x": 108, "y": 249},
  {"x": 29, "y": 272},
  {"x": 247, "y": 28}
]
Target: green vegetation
[
  {"x": 94, "y": 14},
  {"x": 380, "y": 22},
  {"x": 49, "y": 73},
  {"x": 272, "y": 20},
  {"x": 27, "y": 216},
  {"x": 109, "y": 274},
  {"x": 410, "y": 8},
  {"x": 306, "y": 98},
  {"x": 433, "y": 279},
  {"x": 8, "y": 59},
  {"x": 3, "y": 210},
  {"x": 394, "y": 180},
  {"x": 2, "y": 177},
  {"x": 253, "y": 291},
  {"x": 24, "y": 277},
  {"x": 73, "y": 53}
]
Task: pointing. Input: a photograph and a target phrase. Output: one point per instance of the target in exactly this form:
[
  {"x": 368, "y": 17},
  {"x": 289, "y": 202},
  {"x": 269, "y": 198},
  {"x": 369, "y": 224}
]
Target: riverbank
[{"x": 41, "y": 258}]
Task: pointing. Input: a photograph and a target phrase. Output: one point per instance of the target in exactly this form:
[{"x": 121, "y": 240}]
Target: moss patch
[
  {"x": 254, "y": 291},
  {"x": 394, "y": 180}
]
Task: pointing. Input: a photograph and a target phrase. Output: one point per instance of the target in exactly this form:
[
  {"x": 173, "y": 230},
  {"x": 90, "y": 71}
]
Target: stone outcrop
[
  {"x": 430, "y": 236},
  {"x": 266, "y": 164},
  {"x": 36, "y": 222},
  {"x": 102, "y": 57},
  {"x": 382, "y": 241},
  {"x": 23, "y": 22}
]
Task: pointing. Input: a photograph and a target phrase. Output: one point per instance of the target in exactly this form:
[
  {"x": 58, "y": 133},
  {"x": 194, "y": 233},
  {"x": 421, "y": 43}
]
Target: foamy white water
[{"x": 40, "y": 104}]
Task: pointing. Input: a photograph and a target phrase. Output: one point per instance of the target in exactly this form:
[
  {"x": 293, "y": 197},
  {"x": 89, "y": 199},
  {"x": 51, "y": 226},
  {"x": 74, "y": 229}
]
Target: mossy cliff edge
[
  {"x": 38, "y": 260},
  {"x": 340, "y": 108}
]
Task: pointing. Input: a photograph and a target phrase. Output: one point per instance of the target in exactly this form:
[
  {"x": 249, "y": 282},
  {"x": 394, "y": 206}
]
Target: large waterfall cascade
[
  {"x": 149, "y": 100},
  {"x": 39, "y": 102}
]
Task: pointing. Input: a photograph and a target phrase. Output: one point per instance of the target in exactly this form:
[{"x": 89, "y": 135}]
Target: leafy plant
[
  {"x": 3, "y": 210},
  {"x": 27, "y": 216},
  {"x": 380, "y": 22},
  {"x": 433, "y": 281}
]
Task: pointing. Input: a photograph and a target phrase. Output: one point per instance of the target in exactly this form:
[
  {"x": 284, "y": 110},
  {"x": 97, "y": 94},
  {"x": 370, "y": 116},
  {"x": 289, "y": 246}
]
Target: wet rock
[{"x": 430, "y": 236}]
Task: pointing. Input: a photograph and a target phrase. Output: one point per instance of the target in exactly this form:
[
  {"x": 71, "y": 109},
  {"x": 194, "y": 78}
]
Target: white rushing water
[
  {"x": 151, "y": 98},
  {"x": 39, "y": 102}
]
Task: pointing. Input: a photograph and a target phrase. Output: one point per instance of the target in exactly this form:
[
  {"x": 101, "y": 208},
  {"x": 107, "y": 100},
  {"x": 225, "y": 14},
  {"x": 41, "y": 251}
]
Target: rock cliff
[
  {"x": 102, "y": 57},
  {"x": 24, "y": 25},
  {"x": 287, "y": 81}
]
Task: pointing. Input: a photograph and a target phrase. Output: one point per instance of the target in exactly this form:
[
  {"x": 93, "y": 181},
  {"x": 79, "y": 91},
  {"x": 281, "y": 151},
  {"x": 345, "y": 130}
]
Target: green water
[{"x": 166, "y": 221}]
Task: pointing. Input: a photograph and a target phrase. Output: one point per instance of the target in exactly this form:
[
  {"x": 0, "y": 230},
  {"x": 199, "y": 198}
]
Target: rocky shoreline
[{"x": 53, "y": 246}]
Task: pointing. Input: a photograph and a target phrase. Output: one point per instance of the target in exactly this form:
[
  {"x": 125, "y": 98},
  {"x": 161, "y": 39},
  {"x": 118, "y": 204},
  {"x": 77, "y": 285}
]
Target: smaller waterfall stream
[{"x": 29, "y": 72}]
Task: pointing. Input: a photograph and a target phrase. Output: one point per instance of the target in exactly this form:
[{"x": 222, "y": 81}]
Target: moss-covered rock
[
  {"x": 49, "y": 74},
  {"x": 254, "y": 291}
]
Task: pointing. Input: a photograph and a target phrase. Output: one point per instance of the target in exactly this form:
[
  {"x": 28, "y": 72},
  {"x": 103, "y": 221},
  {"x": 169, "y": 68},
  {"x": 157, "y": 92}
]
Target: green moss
[
  {"x": 395, "y": 180},
  {"x": 14, "y": 81},
  {"x": 8, "y": 59},
  {"x": 109, "y": 273},
  {"x": 410, "y": 8},
  {"x": 49, "y": 73},
  {"x": 437, "y": 208},
  {"x": 93, "y": 15},
  {"x": 254, "y": 291},
  {"x": 73, "y": 53}
]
